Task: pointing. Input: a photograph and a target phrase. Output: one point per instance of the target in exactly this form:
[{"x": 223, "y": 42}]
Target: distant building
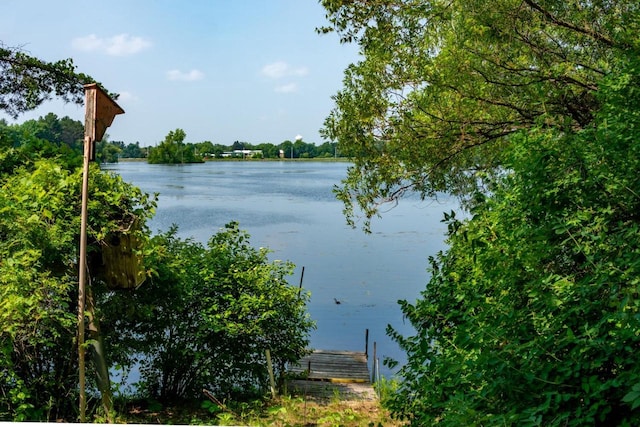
[{"x": 242, "y": 153}]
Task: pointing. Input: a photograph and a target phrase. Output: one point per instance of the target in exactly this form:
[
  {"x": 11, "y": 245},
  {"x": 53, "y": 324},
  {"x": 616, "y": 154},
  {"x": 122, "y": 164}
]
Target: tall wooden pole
[
  {"x": 82, "y": 277},
  {"x": 100, "y": 110}
]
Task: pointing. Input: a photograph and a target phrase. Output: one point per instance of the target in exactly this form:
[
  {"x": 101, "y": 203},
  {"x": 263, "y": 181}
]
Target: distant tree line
[
  {"x": 52, "y": 135},
  {"x": 67, "y": 134},
  {"x": 174, "y": 150}
]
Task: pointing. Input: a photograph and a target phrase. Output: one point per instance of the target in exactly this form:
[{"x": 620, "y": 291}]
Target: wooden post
[
  {"x": 82, "y": 273},
  {"x": 374, "y": 365},
  {"x": 301, "y": 277},
  {"x": 100, "y": 111},
  {"x": 366, "y": 343},
  {"x": 271, "y": 377}
]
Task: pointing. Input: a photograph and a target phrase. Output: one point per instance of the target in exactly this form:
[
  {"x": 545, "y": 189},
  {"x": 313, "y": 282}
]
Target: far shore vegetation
[{"x": 174, "y": 149}]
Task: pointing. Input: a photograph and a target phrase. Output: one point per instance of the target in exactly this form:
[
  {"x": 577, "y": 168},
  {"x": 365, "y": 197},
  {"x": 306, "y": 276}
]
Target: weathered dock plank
[
  {"x": 328, "y": 390},
  {"x": 333, "y": 366}
]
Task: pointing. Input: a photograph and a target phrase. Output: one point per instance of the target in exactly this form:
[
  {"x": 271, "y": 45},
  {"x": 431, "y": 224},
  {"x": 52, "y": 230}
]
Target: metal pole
[{"x": 82, "y": 277}]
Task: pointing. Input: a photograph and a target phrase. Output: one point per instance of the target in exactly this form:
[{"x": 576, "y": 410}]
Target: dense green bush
[
  {"x": 532, "y": 316},
  {"x": 207, "y": 315},
  {"x": 203, "y": 318},
  {"x": 528, "y": 111},
  {"x": 39, "y": 228}
]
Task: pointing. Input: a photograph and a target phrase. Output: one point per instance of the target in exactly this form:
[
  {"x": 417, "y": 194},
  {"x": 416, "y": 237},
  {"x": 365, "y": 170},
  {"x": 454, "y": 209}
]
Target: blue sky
[{"x": 222, "y": 70}]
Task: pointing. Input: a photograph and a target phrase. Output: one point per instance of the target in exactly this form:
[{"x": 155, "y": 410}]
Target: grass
[{"x": 285, "y": 411}]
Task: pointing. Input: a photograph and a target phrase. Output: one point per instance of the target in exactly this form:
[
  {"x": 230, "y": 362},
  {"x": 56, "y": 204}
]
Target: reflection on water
[{"x": 290, "y": 208}]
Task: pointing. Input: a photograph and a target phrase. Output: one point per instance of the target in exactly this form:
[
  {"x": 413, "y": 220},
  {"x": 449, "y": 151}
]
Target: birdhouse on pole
[{"x": 100, "y": 111}]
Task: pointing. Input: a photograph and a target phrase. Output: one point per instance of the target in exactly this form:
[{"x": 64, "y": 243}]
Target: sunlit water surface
[{"x": 290, "y": 208}]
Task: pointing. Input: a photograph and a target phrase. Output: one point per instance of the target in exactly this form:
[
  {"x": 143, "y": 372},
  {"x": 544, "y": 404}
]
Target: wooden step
[{"x": 333, "y": 366}]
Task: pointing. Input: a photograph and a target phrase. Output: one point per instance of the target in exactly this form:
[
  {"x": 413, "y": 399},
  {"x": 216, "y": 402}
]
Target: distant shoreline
[{"x": 314, "y": 159}]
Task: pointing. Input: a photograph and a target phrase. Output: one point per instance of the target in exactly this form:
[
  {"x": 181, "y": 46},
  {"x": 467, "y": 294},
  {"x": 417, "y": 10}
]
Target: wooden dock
[
  {"x": 324, "y": 373},
  {"x": 333, "y": 366}
]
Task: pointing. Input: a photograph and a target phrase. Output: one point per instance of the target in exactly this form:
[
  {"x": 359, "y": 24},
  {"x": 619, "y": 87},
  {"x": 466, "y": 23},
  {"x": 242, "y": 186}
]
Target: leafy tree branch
[{"x": 26, "y": 82}]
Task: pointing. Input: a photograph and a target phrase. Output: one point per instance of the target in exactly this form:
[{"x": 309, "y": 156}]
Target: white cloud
[
  {"x": 189, "y": 76},
  {"x": 88, "y": 43},
  {"x": 288, "y": 88},
  {"x": 275, "y": 70},
  {"x": 118, "y": 45},
  {"x": 126, "y": 96},
  {"x": 280, "y": 69}
]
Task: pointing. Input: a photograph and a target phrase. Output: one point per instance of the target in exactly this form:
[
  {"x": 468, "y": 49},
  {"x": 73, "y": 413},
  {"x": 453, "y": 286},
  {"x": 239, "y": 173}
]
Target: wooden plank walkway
[
  {"x": 333, "y": 366},
  {"x": 324, "y": 373}
]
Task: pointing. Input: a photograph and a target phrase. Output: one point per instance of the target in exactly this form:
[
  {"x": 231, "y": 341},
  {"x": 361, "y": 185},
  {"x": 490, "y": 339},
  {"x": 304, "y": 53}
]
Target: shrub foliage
[{"x": 203, "y": 318}]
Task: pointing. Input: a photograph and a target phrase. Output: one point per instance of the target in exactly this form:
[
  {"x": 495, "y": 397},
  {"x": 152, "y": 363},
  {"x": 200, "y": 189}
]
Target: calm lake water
[{"x": 289, "y": 207}]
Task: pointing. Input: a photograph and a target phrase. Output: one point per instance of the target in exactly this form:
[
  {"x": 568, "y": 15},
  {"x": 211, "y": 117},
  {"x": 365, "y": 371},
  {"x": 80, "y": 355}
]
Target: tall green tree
[
  {"x": 206, "y": 148},
  {"x": 269, "y": 151},
  {"x": 529, "y": 111},
  {"x": 107, "y": 151},
  {"x": 133, "y": 151},
  {"x": 22, "y": 143},
  {"x": 72, "y": 133},
  {"x": 442, "y": 84},
  {"x": 287, "y": 148},
  {"x": 327, "y": 149}
]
